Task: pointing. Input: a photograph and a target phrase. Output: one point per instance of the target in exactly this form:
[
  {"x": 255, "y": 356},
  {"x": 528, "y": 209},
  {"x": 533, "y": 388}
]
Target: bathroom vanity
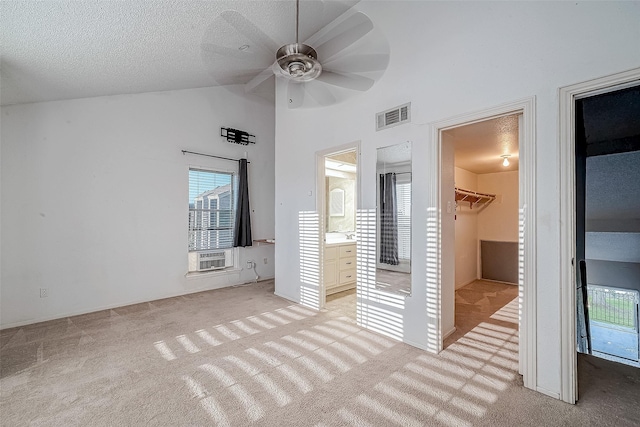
[{"x": 339, "y": 266}]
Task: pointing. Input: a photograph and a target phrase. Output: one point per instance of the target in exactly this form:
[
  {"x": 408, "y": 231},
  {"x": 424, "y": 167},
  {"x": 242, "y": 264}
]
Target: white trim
[
  {"x": 566, "y": 147},
  {"x": 549, "y": 393},
  {"x": 527, "y": 205},
  {"x": 321, "y": 204},
  {"x": 448, "y": 334},
  {"x": 125, "y": 304},
  {"x": 220, "y": 272}
]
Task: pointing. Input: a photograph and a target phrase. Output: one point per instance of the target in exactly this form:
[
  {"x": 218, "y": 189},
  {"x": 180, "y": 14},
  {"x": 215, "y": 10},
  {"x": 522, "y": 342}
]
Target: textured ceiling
[
  {"x": 393, "y": 155},
  {"x": 478, "y": 146},
  {"x": 68, "y": 49}
]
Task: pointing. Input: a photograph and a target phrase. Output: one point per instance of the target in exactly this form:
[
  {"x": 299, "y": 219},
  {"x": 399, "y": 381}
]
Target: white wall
[
  {"x": 95, "y": 200},
  {"x": 499, "y": 220},
  {"x": 466, "y": 232},
  {"x": 499, "y": 52}
]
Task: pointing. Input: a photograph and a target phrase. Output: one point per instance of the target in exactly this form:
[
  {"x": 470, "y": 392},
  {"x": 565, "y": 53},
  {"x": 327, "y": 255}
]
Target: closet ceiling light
[{"x": 505, "y": 162}]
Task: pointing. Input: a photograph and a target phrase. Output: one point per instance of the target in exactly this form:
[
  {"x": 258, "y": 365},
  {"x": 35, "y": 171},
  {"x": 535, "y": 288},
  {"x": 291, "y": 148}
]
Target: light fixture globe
[{"x": 298, "y": 62}]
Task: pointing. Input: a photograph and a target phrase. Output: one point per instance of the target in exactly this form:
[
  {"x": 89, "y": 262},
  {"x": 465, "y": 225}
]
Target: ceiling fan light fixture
[{"x": 298, "y": 62}]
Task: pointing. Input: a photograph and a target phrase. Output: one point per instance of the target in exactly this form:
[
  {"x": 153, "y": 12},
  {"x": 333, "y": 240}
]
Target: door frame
[
  {"x": 527, "y": 348},
  {"x": 566, "y": 145},
  {"x": 321, "y": 201}
]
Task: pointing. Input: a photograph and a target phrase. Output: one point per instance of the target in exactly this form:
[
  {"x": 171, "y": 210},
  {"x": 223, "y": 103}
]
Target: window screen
[{"x": 211, "y": 210}]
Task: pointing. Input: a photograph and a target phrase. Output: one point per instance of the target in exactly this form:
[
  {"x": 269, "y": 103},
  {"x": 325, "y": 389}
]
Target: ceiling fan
[{"x": 338, "y": 61}]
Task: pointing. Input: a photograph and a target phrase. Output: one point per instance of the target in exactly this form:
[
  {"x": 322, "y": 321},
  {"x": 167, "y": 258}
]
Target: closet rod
[{"x": 210, "y": 155}]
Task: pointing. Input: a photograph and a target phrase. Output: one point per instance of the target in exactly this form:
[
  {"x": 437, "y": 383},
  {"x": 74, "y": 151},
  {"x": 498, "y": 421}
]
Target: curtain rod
[{"x": 210, "y": 155}]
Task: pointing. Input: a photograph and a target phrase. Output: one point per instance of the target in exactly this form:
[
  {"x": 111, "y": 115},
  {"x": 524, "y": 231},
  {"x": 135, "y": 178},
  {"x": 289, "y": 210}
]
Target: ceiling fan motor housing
[{"x": 298, "y": 62}]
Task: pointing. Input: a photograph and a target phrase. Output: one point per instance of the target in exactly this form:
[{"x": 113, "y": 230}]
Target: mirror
[
  {"x": 393, "y": 173},
  {"x": 336, "y": 202},
  {"x": 340, "y": 175}
]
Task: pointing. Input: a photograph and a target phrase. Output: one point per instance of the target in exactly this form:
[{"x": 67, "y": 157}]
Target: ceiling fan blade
[
  {"x": 227, "y": 52},
  {"x": 358, "y": 63},
  {"x": 320, "y": 93},
  {"x": 343, "y": 35},
  {"x": 351, "y": 81},
  {"x": 253, "y": 84},
  {"x": 247, "y": 28},
  {"x": 295, "y": 94}
]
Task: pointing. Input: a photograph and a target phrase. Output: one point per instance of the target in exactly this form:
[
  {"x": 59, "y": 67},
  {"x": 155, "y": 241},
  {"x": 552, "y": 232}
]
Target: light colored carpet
[
  {"x": 242, "y": 356},
  {"x": 393, "y": 281}
]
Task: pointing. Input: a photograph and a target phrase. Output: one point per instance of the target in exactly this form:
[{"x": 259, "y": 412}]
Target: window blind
[
  {"x": 211, "y": 210},
  {"x": 403, "y": 197}
]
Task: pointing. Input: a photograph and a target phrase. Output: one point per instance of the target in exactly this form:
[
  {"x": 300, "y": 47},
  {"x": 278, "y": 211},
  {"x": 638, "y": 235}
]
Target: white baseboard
[
  {"x": 465, "y": 284},
  {"x": 549, "y": 393},
  {"x": 288, "y": 298},
  {"x": 123, "y": 304},
  {"x": 446, "y": 335}
]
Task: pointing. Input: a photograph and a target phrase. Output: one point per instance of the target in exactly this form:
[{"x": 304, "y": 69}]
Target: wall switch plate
[
  {"x": 44, "y": 292},
  {"x": 249, "y": 264},
  {"x": 264, "y": 260}
]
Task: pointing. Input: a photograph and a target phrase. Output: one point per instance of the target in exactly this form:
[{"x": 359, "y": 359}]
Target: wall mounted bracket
[{"x": 237, "y": 136}]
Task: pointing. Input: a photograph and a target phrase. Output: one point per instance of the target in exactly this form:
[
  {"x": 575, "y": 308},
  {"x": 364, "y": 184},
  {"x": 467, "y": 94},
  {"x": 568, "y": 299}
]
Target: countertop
[{"x": 337, "y": 242}]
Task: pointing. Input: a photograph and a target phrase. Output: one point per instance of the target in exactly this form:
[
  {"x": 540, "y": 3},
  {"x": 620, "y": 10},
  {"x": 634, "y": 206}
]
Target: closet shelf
[{"x": 474, "y": 198}]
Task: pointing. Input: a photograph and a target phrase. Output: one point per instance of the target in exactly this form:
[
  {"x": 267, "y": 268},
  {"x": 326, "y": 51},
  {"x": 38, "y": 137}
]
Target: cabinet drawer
[
  {"x": 347, "y": 263},
  {"x": 330, "y": 253},
  {"x": 347, "y": 251},
  {"x": 347, "y": 276}
]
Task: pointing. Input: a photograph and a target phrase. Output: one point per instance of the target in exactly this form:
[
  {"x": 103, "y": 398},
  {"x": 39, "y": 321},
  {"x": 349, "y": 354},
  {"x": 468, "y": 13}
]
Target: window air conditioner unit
[{"x": 210, "y": 260}]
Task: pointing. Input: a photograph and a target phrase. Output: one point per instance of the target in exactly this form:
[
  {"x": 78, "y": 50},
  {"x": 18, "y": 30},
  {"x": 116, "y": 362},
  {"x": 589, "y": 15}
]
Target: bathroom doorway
[{"x": 338, "y": 191}]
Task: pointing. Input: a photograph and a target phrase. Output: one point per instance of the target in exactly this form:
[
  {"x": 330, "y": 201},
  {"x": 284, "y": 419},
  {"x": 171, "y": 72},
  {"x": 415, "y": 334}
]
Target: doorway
[
  {"x": 338, "y": 191},
  {"x": 569, "y": 240},
  {"x": 481, "y": 200},
  {"x": 607, "y": 177},
  {"x": 444, "y": 262}
]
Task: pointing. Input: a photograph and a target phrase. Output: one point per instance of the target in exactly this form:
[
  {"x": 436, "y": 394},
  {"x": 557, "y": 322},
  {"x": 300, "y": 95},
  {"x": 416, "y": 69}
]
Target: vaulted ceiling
[{"x": 70, "y": 49}]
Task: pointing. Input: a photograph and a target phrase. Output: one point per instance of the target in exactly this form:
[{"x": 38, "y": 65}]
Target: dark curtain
[
  {"x": 388, "y": 219},
  {"x": 242, "y": 232}
]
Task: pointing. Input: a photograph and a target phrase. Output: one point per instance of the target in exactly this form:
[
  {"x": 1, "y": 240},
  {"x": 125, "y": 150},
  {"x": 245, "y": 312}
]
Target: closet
[{"x": 486, "y": 229}]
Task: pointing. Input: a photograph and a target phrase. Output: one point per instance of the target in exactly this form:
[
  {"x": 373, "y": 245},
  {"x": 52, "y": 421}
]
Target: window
[
  {"x": 211, "y": 210},
  {"x": 403, "y": 195}
]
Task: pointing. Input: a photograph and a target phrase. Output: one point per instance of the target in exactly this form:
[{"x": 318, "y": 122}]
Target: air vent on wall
[{"x": 393, "y": 117}]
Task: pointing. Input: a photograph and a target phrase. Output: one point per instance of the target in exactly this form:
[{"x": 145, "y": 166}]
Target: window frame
[{"x": 192, "y": 239}]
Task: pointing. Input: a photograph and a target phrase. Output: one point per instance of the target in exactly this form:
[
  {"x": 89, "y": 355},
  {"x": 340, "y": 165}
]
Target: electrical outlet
[
  {"x": 249, "y": 264},
  {"x": 264, "y": 260},
  {"x": 44, "y": 292}
]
